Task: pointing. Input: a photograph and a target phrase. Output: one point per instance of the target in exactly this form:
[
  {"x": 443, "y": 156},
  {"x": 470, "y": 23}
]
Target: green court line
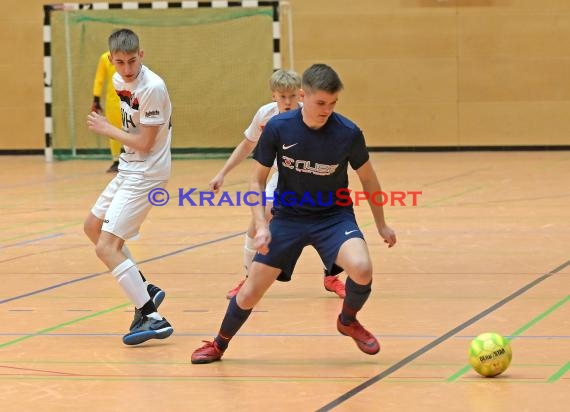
[
  {"x": 459, "y": 373},
  {"x": 518, "y": 332},
  {"x": 559, "y": 373},
  {"x": 544, "y": 314},
  {"x": 501, "y": 380},
  {"x": 61, "y": 325}
]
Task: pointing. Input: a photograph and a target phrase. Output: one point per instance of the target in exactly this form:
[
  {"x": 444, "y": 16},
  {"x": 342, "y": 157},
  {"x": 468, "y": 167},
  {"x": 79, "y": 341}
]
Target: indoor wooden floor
[{"x": 487, "y": 248}]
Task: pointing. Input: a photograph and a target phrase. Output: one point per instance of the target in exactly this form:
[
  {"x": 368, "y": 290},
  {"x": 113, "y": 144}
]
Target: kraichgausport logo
[{"x": 342, "y": 197}]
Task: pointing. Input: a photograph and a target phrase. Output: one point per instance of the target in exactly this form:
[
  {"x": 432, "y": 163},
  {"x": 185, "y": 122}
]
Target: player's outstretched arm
[
  {"x": 242, "y": 151},
  {"x": 371, "y": 184}
]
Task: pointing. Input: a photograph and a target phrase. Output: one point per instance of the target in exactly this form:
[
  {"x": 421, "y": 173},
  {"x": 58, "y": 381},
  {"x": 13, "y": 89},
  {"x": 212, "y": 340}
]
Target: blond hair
[{"x": 284, "y": 80}]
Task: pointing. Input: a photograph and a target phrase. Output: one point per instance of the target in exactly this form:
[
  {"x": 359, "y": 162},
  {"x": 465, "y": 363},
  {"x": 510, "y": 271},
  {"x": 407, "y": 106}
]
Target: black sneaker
[
  {"x": 148, "y": 328},
  {"x": 157, "y": 295},
  {"x": 114, "y": 168}
]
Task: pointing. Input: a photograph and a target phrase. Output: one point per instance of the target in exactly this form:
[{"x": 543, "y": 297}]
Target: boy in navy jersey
[
  {"x": 284, "y": 85},
  {"x": 314, "y": 147}
]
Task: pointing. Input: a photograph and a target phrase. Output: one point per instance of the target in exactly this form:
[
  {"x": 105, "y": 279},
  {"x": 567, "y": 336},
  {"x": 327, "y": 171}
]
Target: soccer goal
[{"x": 216, "y": 58}]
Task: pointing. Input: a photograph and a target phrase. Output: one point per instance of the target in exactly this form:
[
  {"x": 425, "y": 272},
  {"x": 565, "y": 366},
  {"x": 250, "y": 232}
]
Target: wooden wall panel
[
  {"x": 21, "y": 94},
  {"x": 400, "y": 102},
  {"x": 406, "y": 124},
  {"x": 513, "y": 65},
  {"x": 23, "y": 126},
  {"x": 395, "y": 80},
  {"x": 376, "y": 36},
  {"x": 21, "y": 70},
  {"x": 511, "y": 5},
  {"x": 503, "y": 79},
  {"x": 399, "y": 68},
  {"x": 514, "y": 123},
  {"x": 513, "y": 34},
  {"x": 417, "y": 72}
]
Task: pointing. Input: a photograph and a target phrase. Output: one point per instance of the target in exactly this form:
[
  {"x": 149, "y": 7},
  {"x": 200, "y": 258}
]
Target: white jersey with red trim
[{"x": 145, "y": 101}]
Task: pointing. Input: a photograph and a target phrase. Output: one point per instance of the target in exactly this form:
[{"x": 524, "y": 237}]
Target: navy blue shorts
[{"x": 289, "y": 235}]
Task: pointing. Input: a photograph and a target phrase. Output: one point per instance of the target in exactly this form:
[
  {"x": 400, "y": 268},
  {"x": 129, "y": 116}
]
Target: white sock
[
  {"x": 129, "y": 278},
  {"x": 248, "y": 252},
  {"x": 128, "y": 254}
]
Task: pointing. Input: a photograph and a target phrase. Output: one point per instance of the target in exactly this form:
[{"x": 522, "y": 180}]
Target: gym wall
[{"x": 417, "y": 73}]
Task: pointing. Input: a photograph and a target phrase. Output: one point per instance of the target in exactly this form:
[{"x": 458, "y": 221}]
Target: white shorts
[
  {"x": 271, "y": 186},
  {"x": 124, "y": 204}
]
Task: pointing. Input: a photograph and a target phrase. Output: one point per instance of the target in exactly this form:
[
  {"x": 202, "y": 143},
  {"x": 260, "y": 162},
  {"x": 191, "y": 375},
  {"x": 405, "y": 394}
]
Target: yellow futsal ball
[{"x": 490, "y": 354}]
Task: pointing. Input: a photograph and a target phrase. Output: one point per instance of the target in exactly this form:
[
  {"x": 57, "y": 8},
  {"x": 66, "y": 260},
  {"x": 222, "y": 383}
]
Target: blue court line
[
  {"x": 25, "y": 242},
  {"x": 93, "y": 275}
]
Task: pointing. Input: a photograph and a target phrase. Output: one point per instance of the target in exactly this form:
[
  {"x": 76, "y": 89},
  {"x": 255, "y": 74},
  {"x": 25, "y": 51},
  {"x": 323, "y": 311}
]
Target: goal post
[{"x": 216, "y": 58}]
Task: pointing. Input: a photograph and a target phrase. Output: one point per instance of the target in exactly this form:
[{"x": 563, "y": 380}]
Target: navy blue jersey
[{"x": 312, "y": 163}]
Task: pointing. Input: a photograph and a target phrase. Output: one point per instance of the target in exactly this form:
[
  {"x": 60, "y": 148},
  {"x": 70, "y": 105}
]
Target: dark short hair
[{"x": 321, "y": 77}]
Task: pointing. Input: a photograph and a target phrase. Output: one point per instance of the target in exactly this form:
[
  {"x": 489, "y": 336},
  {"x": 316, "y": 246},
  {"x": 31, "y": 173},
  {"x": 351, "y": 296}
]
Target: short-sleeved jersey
[
  {"x": 312, "y": 163},
  {"x": 262, "y": 116},
  {"x": 146, "y": 101}
]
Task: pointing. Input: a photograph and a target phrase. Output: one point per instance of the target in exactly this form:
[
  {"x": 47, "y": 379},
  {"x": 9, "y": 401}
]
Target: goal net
[{"x": 215, "y": 57}]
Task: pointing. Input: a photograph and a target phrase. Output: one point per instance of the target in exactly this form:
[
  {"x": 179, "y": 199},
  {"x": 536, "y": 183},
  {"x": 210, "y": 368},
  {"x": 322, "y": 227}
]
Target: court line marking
[
  {"x": 494, "y": 307},
  {"x": 26, "y": 242},
  {"x": 553, "y": 378},
  {"x": 286, "y": 362},
  {"x": 516, "y": 333},
  {"x": 37, "y": 370},
  {"x": 67, "y": 225},
  {"x": 59, "y": 376},
  {"x": 269, "y": 335},
  {"x": 387, "y": 372},
  {"x": 559, "y": 373},
  {"x": 61, "y": 325},
  {"x": 43, "y": 252},
  {"x": 93, "y": 275}
]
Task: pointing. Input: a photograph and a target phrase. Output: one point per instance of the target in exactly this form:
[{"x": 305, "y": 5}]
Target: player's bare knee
[
  {"x": 87, "y": 228},
  {"x": 92, "y": 227},
  {"x": 104, "y": 250},
  {"x": 361, "y": 271},
  {"x": 247, "y": 299}
]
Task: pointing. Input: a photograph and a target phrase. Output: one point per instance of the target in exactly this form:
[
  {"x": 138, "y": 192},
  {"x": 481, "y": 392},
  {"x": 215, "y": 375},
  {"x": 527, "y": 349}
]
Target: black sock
[
  {"x": 233, "y": 320},
  {"x": 335, "y": 270},
  {"x": 148, "y": 308},
  {"x": 356, "y": 297},
  {"x": 142, "y": 276}
]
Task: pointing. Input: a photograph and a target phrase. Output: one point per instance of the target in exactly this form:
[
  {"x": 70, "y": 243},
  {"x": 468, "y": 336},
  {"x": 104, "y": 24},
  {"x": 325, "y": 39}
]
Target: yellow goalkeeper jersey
[{"x": 104, "y": 79}]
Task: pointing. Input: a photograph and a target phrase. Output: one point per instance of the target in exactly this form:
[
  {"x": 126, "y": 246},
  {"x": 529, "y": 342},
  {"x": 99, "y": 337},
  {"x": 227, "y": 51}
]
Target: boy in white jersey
[
  {"x": 284, "y": 87},
  {"x": 122, "y": 207}
]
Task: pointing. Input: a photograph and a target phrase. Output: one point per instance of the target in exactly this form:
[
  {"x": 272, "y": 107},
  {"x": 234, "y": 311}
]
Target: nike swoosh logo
[
  {"x": 290, "y": 146},
  {"x": 346, "y": 233}
]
